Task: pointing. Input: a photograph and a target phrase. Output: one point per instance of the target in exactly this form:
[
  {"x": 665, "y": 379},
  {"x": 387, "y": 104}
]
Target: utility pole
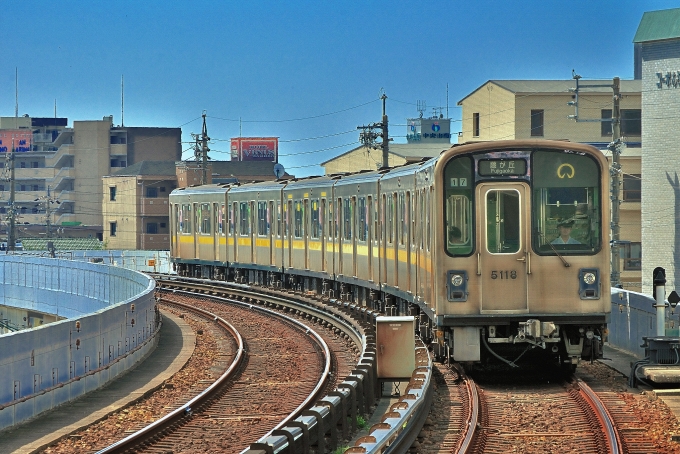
[
  {"x": 368, "y": 135},
  {"x": 616, "y": 183},
  {"x": 385, "y": 135},
  {"x": 48, "y": 200},
  {"x": 201, "y": 150},
  {"x": 615, "y": 170}
]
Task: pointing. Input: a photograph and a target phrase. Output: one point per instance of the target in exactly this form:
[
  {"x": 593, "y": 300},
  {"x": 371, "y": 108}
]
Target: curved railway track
[{"x": 280, "y": 367}]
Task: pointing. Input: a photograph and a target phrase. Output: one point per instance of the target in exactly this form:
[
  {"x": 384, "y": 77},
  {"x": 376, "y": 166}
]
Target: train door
[
  {"x": 369, "y": 235},
  {"x": 340, "y": 235},
  {"x": 233, "y": 222},
  {"x": 197, "y": 229},
  {"x": 322, "y": 227},
  {"x": 410, "y": 275},
  {"x": 217, "y": 231},
  {"x": 306, "y": 232},
  {"x": 393, "y": 224},
  {"x": 271, "y": 227},
  {"x": 252, "y": 213},
  {"x": 503, "y": 232},
  {"x": 289, "y": 232},
  {"x": 383, "y": 240}
]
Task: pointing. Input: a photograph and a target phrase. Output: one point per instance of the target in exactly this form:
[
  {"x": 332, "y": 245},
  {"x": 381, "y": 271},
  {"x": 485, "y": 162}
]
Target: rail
[{"x": 185, "y": 410}]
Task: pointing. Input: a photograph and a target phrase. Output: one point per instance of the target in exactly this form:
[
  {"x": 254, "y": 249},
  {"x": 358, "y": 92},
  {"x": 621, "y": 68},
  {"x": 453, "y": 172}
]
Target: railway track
[
  {"x": 519, "y": 417},
  {"x": 280, "y": 367}
]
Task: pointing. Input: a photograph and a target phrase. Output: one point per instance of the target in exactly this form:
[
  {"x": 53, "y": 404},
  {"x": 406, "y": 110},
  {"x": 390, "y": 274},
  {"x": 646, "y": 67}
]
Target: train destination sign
[{"x": 499, "y": 167}]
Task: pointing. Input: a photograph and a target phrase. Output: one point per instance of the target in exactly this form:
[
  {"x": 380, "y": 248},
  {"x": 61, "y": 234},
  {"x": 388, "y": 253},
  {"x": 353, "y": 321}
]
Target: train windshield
[
  {"x": 567, "y": 203},
  {"x": 459, "y": 180}
]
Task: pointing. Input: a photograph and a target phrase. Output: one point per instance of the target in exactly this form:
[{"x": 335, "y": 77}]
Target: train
[{"x": 500, "y": 250}]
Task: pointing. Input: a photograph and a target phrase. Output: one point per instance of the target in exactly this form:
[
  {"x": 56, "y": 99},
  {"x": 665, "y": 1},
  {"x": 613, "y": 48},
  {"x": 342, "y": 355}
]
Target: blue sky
[{"x": 307, "y": 72}]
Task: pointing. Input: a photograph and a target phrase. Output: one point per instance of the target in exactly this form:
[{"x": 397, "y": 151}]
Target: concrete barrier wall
[
  {"x": 111, "y": 324},
  {"x": 634, "y": 317}
]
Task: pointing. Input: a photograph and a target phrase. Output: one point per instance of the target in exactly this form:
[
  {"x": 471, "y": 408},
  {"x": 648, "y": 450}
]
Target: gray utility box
[{"x": 396, "y": 342}]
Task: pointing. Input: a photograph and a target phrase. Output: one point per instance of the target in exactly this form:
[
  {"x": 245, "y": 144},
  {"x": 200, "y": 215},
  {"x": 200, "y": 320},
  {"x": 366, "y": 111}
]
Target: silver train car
[{"x": 500, "y": 249}]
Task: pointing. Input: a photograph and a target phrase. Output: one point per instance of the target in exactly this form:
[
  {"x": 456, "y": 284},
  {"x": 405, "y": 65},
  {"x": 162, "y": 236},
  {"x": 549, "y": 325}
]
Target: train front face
[{"x": 523, "y": 262}]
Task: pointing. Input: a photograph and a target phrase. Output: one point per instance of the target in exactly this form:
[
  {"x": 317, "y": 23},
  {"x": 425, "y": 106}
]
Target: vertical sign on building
[{"x": 255, "y": 149}]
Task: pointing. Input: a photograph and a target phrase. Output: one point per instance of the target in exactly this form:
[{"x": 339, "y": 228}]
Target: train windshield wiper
[{"x": 566, "y": 264}]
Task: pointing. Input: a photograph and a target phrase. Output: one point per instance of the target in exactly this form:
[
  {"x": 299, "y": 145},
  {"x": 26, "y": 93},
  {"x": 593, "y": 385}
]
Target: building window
[
  {"x": 151, "y": 228},
  {"x": 475, "y": 124},
  {"x": 162, "y": 189},
  {"x": 34, "y": 164},
  {"x": 35, "y": 187},
  {"x": 632, "y": 256},
  {"x": 112, "y": 193},
  {"x": 152, "y": 193},
  {"x": 631, "y": 122},
  {"x": 22, "y": 164},
  {"x": 632, "y": 188},
  {"x": 112, "y": 228},
  {"x": 163, "y": 225},
  {"x": 537, "y": 123}
]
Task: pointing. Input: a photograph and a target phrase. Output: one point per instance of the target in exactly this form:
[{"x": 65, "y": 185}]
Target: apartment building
[
  {"x": 61, "y": 167},
  {"x": 524, "y": 109}
]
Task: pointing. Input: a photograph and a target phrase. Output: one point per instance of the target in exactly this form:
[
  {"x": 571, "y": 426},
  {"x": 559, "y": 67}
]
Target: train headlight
[
  {"x": 589, "y": 283},
  {"x": 456, "y": 285},
  {"x": 589, "y": 278}
]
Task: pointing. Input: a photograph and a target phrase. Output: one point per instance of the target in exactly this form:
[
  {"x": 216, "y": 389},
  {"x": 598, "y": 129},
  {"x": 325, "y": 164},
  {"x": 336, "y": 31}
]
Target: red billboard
[
  {"x": 19, "y": 139},
  {"x": 255, "y": 149}
]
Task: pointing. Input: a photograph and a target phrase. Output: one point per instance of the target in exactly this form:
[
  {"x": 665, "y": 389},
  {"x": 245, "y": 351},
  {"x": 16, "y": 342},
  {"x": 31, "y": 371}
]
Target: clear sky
[{"x": 306, "y": 72}]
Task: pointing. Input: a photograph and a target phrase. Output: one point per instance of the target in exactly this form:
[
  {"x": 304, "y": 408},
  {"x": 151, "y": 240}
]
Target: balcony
[{"x": 154, "y": 207}]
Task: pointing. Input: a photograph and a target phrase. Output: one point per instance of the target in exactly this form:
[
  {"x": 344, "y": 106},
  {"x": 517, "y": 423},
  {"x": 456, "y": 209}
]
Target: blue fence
[
  {"x": 111, "y": 323},
  {"x": 634, "y": 316}
]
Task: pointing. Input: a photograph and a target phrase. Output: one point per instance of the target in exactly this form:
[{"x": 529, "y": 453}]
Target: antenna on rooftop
[
  {"x": 421, "y": 106},
  {"x": 122, "y": 100}
]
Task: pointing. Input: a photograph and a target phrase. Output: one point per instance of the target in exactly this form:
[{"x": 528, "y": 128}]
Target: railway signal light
[{"x": 659, "y": 278}]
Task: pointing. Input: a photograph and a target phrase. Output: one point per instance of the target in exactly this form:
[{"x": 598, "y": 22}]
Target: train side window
[
  {"x": 232, "y": 218},
  {"x": 361, "y": 226},
  {"x": 347, "y": 219},
  {"x": 222, "y": 221},
  {"x": 185, "y": 219},
  {"x": 503, "y": 221},
  {"x": 244, "y": 215},
  {"x": 278, "y": 219},
  {"x": 458, "y": 208},
  {"x": 402, "y": 220},
  {"x": 299, "y": 213},
  {"x": 331, "y": 219},
  {"x": 315, "y": 227},
  {"x": 262, "y": 224},
  {"x": 567, "y": 205}
]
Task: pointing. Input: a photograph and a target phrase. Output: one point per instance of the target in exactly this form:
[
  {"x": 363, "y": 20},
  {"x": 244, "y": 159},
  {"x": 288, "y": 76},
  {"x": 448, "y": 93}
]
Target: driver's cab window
[
  {"x": 567, "y": 204},
  {"x": 458, "y": 178}
]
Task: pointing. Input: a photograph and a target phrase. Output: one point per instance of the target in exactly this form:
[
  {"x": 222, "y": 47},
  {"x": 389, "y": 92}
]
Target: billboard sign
[
  {"x": 255, "y": 149},
  {"x": 428, "y": 130},
  {"x": 20, "y": 139}
]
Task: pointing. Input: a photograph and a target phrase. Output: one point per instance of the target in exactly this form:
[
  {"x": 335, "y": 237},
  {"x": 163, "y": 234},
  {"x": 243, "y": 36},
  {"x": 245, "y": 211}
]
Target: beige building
[
  {"x": 365, "y": 158},
  {"x": 524, "y": 109},
  {"x": 62, "y": 168},
  {"x": 135, "y": 206}
]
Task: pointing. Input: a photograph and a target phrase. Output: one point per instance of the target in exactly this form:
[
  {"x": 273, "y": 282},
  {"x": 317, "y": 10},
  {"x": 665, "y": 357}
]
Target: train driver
[{"x": 564, "y": 229}]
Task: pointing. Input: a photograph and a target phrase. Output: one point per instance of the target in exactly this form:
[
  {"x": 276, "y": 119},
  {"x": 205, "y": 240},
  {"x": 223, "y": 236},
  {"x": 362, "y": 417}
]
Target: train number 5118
[{"x": 504, "y": 274}]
